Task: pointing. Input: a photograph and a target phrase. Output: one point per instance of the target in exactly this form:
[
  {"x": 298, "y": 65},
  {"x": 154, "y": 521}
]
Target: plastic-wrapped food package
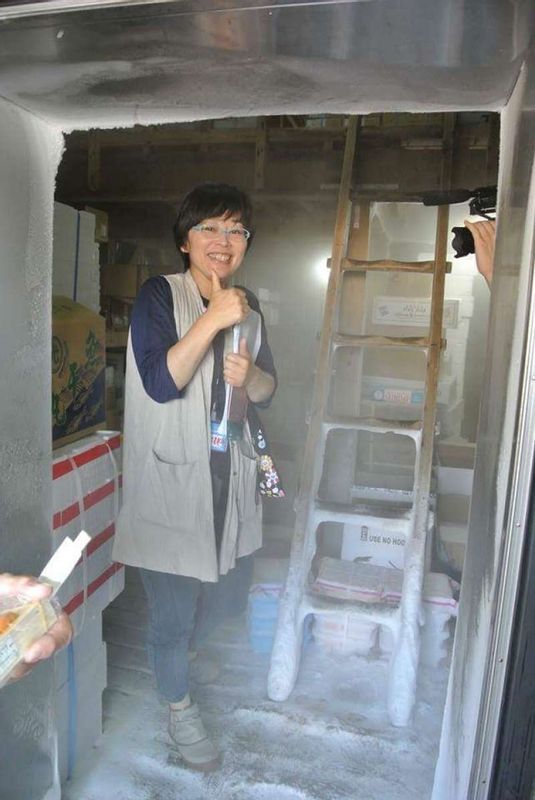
[{"x": 21, "y": 624}]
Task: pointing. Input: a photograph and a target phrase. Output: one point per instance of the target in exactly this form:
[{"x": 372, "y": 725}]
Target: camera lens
[{"x": 463, "y": 242}]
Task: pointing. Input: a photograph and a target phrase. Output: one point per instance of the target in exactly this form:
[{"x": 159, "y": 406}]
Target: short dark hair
[{"x": 211, "y": 200}]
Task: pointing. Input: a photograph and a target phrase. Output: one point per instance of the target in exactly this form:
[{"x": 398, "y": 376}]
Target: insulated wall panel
[{"x": 30, "y": 153}]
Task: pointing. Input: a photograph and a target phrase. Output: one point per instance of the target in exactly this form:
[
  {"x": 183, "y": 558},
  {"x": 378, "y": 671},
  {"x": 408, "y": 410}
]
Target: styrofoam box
[
  {"x": 391, "y": 411},
  {"x": 86, "y": 495},
  {"x": 457, "y": 453},
  {"x": 345, "y": 634},
  {"x": 455, "y": 480},
  {"x": 85, "y": 487},
  {"x": 451, "y": 418},
  {"x": 100, "y": 569},
  {"x": 438, "y": 606},
  {"x": 411, "y": 311},
  {"x": 86, "y": 642},
  {"x": 90, "y": 682},
  {"x": 377, "y": 388},
  {"x": 454, "y": 537},
  {"x": 453, "y": 508}
]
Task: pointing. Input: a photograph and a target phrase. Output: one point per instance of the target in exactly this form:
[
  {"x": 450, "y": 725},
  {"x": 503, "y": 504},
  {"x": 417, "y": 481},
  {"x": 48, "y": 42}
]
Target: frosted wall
[
  {"x": 30, "y": 154},
  {"x": 473, "y": 655}
]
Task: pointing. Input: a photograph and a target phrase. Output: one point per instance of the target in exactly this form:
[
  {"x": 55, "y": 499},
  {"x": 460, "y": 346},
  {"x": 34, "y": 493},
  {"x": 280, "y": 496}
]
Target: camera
[{"x": 481, "y": 201}]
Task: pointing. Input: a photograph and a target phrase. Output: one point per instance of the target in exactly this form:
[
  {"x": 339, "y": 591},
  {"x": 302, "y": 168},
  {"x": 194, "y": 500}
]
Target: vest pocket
[
  {"x": 248, "y": 498},
  {"x": 170, "y": 494}
]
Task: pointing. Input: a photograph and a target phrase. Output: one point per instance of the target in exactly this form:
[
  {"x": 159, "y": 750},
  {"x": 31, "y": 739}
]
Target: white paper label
[
  {"x": 64, "y": 560},
  {"x": 411, "y": 311},
  {"x": 9, "y": 655}
]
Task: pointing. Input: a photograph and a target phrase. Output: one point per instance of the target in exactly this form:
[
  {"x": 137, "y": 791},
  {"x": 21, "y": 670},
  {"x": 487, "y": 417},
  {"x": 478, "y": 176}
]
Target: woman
[{"x": 191, "y": 514}]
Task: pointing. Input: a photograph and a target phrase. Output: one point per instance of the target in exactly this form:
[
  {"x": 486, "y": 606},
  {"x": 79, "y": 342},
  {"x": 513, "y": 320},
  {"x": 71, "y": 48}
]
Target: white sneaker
[{"x": 187, "y": 731}]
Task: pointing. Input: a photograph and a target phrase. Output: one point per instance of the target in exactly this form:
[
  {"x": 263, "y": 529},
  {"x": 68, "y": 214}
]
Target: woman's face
[{"x": 215, "y": 245}]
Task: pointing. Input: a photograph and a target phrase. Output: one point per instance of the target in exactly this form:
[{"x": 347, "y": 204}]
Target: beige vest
[{"x": 166, "y": 520}]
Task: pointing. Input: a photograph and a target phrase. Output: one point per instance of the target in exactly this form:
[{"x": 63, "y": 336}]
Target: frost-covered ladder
[{"x": 297, "y": 602}]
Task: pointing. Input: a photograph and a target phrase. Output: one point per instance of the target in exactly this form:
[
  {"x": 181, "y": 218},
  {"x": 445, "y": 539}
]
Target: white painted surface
[
  {"x": 489, "y": 506},
  {"x": 30, "y": 154},
  {"x": 75, "y": 263}
]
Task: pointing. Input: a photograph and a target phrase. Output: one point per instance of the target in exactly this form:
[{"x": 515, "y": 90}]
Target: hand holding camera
[
  {"x": 474, "y": 237},
  {"x": 483, "y": 236}
]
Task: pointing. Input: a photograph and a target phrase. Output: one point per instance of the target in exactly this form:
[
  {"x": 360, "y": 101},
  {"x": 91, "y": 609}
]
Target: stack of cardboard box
[
  {"x": 120, "y": 284},
  {"x": 78, "y": 371}
]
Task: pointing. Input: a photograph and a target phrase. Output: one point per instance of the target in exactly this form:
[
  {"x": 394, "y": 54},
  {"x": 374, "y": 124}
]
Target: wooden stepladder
[{"x": 297, "y": 601}]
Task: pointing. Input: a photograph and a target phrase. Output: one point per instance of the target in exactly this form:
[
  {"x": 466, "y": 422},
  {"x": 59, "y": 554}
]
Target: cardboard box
[
  {"x": 78, "y": 371},
  {"x": 123, "y": 280},
  {"x": 101, "y": 223},
  {"x": 377, "y": 543}
]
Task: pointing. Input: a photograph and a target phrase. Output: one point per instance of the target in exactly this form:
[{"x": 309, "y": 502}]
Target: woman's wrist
[{"x": 260, "y": 385}]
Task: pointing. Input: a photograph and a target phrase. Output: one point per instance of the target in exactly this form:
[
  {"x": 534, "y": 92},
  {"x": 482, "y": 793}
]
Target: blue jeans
[{"x": 182, "y": 613}]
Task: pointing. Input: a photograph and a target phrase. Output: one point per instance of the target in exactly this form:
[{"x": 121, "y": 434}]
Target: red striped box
[{"x": 86, "y": 496}]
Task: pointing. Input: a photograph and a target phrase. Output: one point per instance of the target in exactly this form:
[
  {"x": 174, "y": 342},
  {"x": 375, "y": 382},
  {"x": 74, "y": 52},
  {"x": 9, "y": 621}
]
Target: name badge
[{"x": 219, "y": 440}]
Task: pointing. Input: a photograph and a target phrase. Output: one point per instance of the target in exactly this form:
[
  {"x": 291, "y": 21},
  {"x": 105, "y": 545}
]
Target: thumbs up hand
[
  {"x": 239, "y": 368},
  {"x": 227, "y": 306}
]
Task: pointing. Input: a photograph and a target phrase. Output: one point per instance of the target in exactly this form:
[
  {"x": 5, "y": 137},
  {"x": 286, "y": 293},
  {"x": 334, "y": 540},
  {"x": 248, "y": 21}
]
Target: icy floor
[{"x": 330, "y": 740}]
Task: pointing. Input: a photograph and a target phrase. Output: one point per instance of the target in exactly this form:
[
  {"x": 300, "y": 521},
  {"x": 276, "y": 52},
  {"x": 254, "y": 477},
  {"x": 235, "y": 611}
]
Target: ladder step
[
  {"x": 373, "y": 612},
  {"x": 388, "y": 265},
  {"x": 399, "y": 427},
  {"x": 350, "y": 514},
  {"x": 342, "y": 340}
]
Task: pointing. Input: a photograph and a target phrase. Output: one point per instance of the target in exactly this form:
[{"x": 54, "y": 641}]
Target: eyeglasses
[{"x": 213, "y": 231}]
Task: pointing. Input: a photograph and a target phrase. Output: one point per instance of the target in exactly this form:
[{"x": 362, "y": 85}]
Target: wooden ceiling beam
[
  {"x": 174, "y": 198},
  {"x": 164, "y": 136},
  {"x": 182, "y": 138}
]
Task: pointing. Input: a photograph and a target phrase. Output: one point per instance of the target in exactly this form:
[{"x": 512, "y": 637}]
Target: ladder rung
[
  {"x": 339, "y": 512},
  {"x": 387, "y": 265},
  {"x": 399, "y": 427},
  {"x": 343, "y": 340},
  {"x": 380, "y": 612}
]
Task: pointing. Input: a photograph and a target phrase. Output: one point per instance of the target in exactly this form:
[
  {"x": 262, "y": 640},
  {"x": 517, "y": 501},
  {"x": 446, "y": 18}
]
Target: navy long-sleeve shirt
[{"x": 153, "y": 332}]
